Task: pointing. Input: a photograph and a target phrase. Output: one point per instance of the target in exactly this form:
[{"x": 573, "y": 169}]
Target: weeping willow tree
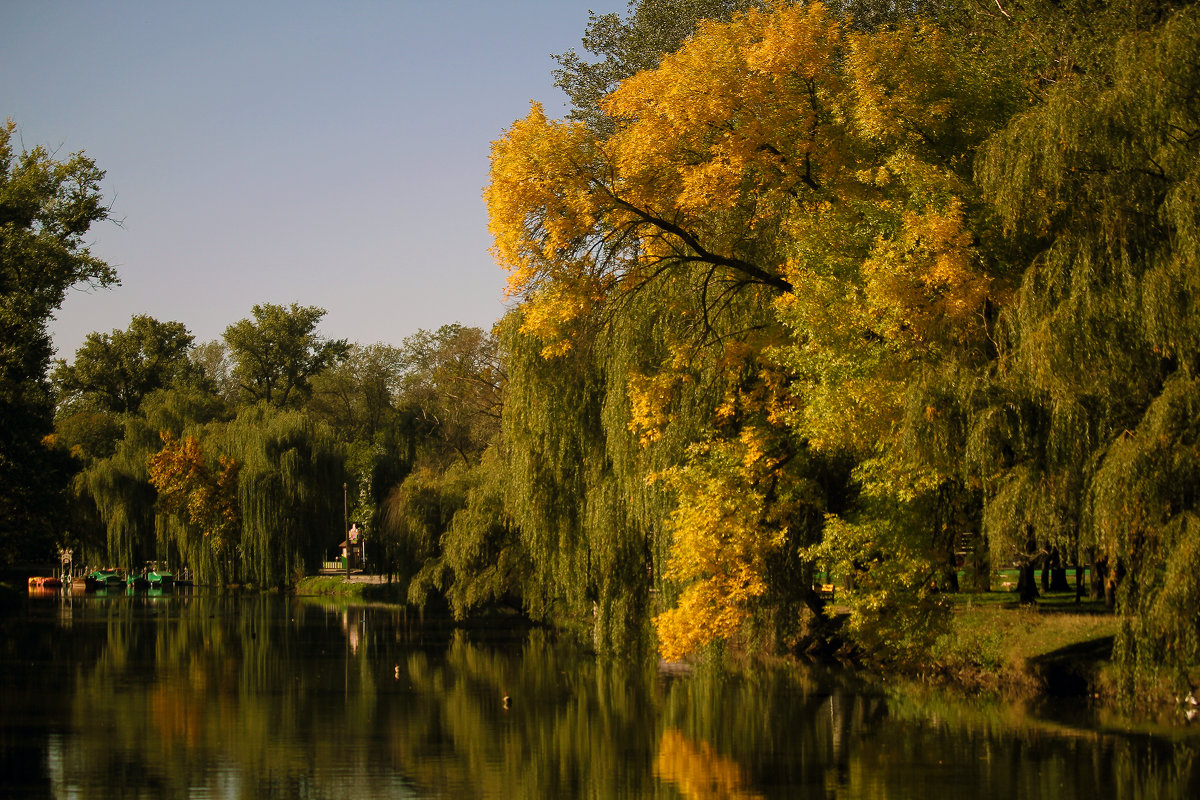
[
  {"x": 289, "y": 493},
  {"x": 1094, "y": 419},
  {"x": 574, "y": 500},
  {"x": 594, "y": 439},
  {"x": 120, "y": 488},
  {"x": 483, "y": 559},
  {"x": 413, "y": 522},
  {"x": 1145, "y": 511},
  {"x": 551, "y": 433}
]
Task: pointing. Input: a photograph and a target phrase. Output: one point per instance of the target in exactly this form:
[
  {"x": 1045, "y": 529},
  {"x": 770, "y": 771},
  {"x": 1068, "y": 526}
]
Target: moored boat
[
  {"x": 107, "y": 579},
  {"x": 44, "y": 582},
  {"x": 84, "y": 583},
  {"x": 160, "y": 579}
]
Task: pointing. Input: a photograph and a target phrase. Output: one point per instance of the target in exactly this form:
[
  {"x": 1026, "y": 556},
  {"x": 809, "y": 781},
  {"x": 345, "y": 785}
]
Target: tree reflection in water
[{"x": 266, "y": 696}]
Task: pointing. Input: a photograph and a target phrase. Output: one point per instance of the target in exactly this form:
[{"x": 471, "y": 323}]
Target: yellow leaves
[
  {"x": 731, "y": 112},
  {"x": 699, "y": 771},
  {"x": 650, "y": 397},
  {"x": 540, "y": 199},
  {"x": 189, "y": 487},
  {"x": 852, "y": 413},
  {"x": 900, "y": 81},
  {"x": 721, "y": 540},
  {"x": 723, "y": 527},
  {"x": 925, "y": 282},
  {"x": 543, "y": 208},
  {"x": 798, "y": 39}
]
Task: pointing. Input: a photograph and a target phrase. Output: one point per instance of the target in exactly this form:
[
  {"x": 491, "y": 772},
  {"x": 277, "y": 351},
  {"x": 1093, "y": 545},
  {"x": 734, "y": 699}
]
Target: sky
[{"x": 329, "y": 154}]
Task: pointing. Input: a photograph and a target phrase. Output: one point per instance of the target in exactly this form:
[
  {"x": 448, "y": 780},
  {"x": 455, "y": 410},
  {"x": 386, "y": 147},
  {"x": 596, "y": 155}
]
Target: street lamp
[{"x": 346, "y": 526}]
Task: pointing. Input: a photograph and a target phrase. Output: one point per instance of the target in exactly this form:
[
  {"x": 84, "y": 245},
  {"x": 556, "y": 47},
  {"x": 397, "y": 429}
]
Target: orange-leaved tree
[
  {"x": 203, "y": 496},
  {"x": 782, "y": 162}
]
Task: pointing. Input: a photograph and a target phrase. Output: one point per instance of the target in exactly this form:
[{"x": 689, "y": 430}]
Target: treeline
[
  {"x": 802, "y": 294},
  {"x": 241, "y": 458}
]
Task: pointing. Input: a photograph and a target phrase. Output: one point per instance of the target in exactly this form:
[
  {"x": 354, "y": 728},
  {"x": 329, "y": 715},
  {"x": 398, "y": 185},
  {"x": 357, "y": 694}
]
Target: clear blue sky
[{"x": 324, "y": 153}]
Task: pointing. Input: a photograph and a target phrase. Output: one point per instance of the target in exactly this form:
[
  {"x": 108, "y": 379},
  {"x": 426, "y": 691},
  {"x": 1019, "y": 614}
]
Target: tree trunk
[
  {"x": 1111, "y": 581},
  {"x": 950, "y": 579},
  {"x": 1099, "y": 576},
  {"x": 1058, "y": 573},
  {"x": 981, "y": 562},
  {"x": 1027, "y": 591}
]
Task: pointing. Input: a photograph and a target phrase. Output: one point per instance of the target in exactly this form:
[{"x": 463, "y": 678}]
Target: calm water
[{"x": 216, "y": 696}]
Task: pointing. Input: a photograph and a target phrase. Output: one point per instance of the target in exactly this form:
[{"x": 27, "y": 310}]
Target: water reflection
[{"x": 194, "y": 695}]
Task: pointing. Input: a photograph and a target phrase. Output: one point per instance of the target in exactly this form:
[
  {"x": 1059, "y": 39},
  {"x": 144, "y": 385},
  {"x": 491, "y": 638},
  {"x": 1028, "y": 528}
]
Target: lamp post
[{"x": 346, "y": 526}]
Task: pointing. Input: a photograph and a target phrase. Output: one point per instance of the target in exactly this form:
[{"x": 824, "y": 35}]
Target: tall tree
[
  {"x": 277, "y": 353},
  {"x": 451, "y": 390},
  {"x": 46, "y": 208},
  {"x": 1090, "y": 415},
  {"x": 115, "y": 371},
  {"x": 358, "y": 395},
  {"x": 783, "y": 163},
  {"x": 624, "y": 46},
  {"x": 448, "y": 402},
  {"x": 214, "y": 363}
]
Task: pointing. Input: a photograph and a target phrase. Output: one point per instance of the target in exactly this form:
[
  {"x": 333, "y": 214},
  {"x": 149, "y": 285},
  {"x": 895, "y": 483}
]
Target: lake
[{"x": 212, "y": 695}]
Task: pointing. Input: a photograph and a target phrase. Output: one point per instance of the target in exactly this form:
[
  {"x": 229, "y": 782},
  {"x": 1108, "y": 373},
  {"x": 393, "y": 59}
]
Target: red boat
[{"x": 39, "y": 582}]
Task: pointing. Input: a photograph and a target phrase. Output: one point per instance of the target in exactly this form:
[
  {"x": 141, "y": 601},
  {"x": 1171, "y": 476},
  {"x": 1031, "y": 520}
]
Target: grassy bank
[
  {"x": 342, "y": 588},
  {"x": 1058, "y": 646}
]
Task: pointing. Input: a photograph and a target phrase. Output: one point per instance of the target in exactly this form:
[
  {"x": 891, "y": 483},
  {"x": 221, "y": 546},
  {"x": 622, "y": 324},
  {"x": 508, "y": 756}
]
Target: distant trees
[
  {"x": 276, "y": 354},
  {"x": 230, "y": 458},
  {"x": 115, "y": 371},
  {"x": 449, "y": 404}
]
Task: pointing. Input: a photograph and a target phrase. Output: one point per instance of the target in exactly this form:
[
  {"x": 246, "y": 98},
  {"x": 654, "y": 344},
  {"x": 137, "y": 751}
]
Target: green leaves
[
  {"x": 46, "y": 206},
  {"x": 115, "y": 372},
  {"x": 277, "y": 353}
]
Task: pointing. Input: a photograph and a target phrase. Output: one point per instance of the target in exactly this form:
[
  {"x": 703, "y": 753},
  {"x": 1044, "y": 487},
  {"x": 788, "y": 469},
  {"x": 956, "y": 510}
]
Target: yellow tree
[
  {"x": 776, "y": 160},
  {"x": 202, "y": 496},
  {"x": 708, "y": 146}
]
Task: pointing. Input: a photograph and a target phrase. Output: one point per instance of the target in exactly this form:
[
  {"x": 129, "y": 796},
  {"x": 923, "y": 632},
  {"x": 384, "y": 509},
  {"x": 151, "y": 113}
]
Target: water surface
[{"x": 198, "y": 695}]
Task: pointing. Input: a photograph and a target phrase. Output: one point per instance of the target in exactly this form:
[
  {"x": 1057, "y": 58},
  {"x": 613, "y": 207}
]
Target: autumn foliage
[
  {"x": 887, "y": 284},
  {"x": 201, "y": 493}
]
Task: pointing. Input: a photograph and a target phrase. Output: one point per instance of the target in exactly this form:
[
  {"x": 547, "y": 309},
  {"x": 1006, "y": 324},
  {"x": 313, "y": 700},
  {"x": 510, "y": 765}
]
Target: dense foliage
[
  {"x": 46, "y": 209},
  {"x": 904, "y": 286},
  {"x": 860, "y": 295}
]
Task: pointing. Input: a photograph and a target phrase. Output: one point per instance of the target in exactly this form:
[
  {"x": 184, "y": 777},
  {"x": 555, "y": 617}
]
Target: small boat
[
  {"x": 107, "y": 578},
  {"x": 40, "y": 582},
  {"x": 84, "y": 583},
  {"x": 160, "y": 579}
]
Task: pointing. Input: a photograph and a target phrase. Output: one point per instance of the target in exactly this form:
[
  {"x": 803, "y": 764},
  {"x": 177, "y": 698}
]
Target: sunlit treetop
[{"x": 738, "y": 155}]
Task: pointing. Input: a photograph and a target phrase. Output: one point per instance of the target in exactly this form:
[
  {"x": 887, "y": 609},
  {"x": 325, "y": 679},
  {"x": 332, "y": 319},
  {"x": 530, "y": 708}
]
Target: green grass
[
  {"x": 336, "y": 586},
  {"x": 995, "y": 643}
]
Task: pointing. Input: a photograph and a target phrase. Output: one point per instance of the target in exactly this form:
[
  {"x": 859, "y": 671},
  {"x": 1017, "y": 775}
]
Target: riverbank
[
  {"x": 1058, "y": 647},
  {"x": 356, "y": 587}
]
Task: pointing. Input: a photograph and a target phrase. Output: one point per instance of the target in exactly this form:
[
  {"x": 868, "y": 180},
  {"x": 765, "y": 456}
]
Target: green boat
[
  {"x": 107, "y": 578},
  {"x": 160, "y": 579}
]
